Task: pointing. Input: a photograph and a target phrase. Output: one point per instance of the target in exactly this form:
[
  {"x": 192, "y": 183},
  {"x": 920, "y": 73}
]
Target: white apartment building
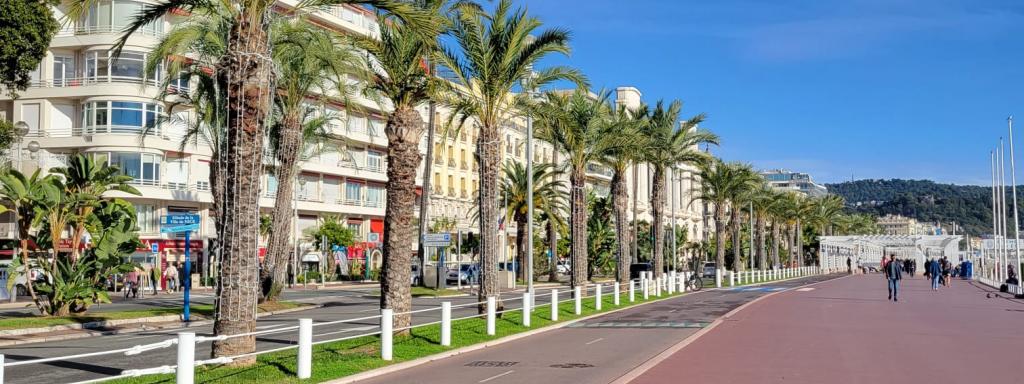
[{"x": 83, "y": 101}]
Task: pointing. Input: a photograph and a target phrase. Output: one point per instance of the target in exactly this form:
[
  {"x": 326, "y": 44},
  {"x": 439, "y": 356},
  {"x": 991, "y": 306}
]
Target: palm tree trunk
[
  {"x": 23, "y": 243},
  {"x": 799, "y": 243},
  {"x": 761, "y": 233},
  {"x": 578, "y": 226},
  {"x": 488, "y": 144},
  {"x": 635, "y": 234},
  {"x": 737, "y": 240},
  {"x": 275, "y": 264},
  {"x": 776, "y": 241},
  {"x": 657, "y": 210},
  {"x": 246, "y": 70},
  {"x": 620, "y": 205},
  {"x": 552, "y": 231},
  {"x": 720, "y": 236},
  {"x": 521, "y": 239},
  {"x": 404, "y": 131}
]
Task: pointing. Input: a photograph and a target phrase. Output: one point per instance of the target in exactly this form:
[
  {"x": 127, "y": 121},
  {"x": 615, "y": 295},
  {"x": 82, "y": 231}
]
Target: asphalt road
[
  {"x": 338, "y": 305},
  {"x": 599, "y": 350},
  {"x": 846, "y": 331}
]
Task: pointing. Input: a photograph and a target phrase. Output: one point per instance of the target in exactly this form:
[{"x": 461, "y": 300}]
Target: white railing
[
  {"x": 186, "y": 342},
  {"x": 87, "y": 81}
]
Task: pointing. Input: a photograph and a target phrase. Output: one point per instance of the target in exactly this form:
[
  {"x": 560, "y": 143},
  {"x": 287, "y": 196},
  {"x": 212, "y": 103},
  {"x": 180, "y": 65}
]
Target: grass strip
[
  {"x": 33, "y": 321},
  {"x": 348, "y": 357}
]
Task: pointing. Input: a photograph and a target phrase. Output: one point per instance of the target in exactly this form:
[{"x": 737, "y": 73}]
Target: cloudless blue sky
[{"x": 870, "y": 88}]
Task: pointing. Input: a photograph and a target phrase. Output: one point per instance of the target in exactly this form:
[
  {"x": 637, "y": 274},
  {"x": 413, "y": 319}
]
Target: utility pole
[{"x": 1013, "y": 187}]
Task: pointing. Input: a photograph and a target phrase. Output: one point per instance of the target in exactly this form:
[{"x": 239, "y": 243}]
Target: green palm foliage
[
  {"x": 89, "y": 180},
  {"x": 669, "y": 143},
  {"x": 720, "y": 181},
  {"x": 747, "y": 184},
  {"x": 20, "y": 194},
  {"x": 578, "y": 126},
  {"x": 548, "y": 199},
  {"x": 619, "y": 158},
  {"x": 493, "y": 53}
]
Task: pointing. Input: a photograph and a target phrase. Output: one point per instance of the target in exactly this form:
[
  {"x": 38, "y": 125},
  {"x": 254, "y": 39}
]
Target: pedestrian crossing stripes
[{"x": 639, "y": 324}]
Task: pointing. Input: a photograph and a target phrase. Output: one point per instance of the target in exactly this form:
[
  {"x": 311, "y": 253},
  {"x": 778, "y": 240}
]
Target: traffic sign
[
  {"x": 437, "y": 239},
  {"x": 179, "y": 223},
  {"x": 155, "y": 247},
  {"x": 373, "y": 237}
]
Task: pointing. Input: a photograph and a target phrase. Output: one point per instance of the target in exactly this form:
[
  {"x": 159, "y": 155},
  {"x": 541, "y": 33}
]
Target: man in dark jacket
[
  {"x": 893, "y": 273},
  {"x": 934, "y": 272}
]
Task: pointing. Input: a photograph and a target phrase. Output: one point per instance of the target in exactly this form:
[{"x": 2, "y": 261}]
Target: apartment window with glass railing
[
  {"x": 375, "y": 161},
  {"x": 353, "y": 192},
  {"x": 120, "y": 117},
  {"x": 356, "y": 124},
  {"x": 144, "y": 168},
  {"x": 101, "y": 67},
  {"x": 147, "y": 218},
  {"x": 271, "y": 185},
  {"x": 374, "y": 196},
  {"x": 63, "y": 70},
  {"x": 112, "y": 16}
]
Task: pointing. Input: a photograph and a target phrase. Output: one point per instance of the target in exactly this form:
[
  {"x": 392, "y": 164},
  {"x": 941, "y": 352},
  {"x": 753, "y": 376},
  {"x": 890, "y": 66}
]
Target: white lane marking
[
  {"x": 366, "y": 328},
  {"x": 673, "y": 310},
  {"x": 494, "y": 377},
  {"x": 594, "y": 341},
  {"x": 270, "y": 326},
  {"x": 805, "y": 289}
]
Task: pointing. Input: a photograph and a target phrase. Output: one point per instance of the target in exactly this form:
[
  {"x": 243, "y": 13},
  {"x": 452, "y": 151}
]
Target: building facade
[{"x": 794, "y": 181}]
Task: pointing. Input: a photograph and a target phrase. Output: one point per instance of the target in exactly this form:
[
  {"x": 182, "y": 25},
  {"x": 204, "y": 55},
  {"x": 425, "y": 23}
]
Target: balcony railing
[
  {"x": 601, "y": 170},
  {"x": 379, "y": 167},
  {"x": 361, "y": 203},
  {"x": 94, "y": 130},
  {"x": 464, "y": 165},
  {"x": 69, "y": 82},
  {"x": 451, "y": 192},
  {"x": 451, "y": 163}
]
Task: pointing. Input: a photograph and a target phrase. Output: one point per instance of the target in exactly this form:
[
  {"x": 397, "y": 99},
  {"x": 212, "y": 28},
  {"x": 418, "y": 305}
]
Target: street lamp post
[
  {"x": 530, "y": 90},
  {"x": 21, "y": 129}
]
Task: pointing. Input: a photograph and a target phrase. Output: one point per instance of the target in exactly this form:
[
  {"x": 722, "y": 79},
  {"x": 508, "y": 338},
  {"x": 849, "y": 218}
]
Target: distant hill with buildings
[{"x": 926, "y": 201}]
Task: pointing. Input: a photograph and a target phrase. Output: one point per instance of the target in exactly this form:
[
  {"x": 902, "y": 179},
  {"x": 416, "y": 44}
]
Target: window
[
  {"x": 376, "y": 127},
  {"x": 147, "y": 218},
  {"x": 271, "y": 185},
  {"x": 129, "y": 67},
  {"x": 353, "y": 192},
  {"x": 180, "y": 83},
  {"x": 374, "y": 161},
  {"x": 144, "y": 168},
  {"x": 111, "y": 16},
  {"x": 374, "y": 196},
  {"x": 63, "y": 70},
  {"x": 355, "y": 227},
  {"x": 120, "y": 116}
]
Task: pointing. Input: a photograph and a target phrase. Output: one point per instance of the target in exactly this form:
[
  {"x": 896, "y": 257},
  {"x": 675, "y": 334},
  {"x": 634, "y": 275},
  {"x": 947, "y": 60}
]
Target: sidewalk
[{"x": 847, "y": 331}]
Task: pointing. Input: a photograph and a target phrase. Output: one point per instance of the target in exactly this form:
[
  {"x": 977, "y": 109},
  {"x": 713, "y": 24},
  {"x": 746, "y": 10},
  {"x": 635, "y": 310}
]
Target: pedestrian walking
[
  {"x": 947, "y": 268},
  {"x": 849, "y": 265},
  {"x": 171, "y": 275},
  {"x": 893, "y": 273},
  {"x": 131, "y": 283},
  {"x": 152, "y": 279},
  {"x": 934, "y": 271}
]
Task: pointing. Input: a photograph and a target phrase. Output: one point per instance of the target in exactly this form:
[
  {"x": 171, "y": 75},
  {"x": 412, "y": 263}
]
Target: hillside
[{"x": 968, "y": 205}]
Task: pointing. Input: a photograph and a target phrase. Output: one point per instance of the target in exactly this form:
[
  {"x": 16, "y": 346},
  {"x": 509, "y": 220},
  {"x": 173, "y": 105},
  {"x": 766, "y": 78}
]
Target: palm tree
[
  {"x": 22, "y": 193},
  {"x": 619, "y": 159},
  {"x": 746, "y": 183},
  {"x": 824, "y": 211},
  {"x": 88, "y": 180},
  {"x": 494, "y": 53},
  {"x": 578, "y": 125},
  {"x": 246, "y": 70},
  {"x": 310, "y": 60},
  {"x": 548, "y": 199},
  {"x": 764, "y": 200},
  {"x": 718, "y": 181},
  {"x": 669, "y": 143}
]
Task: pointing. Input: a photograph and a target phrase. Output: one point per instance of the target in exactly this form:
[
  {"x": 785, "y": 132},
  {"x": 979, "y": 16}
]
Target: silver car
[{"x": 709, "y": 270}]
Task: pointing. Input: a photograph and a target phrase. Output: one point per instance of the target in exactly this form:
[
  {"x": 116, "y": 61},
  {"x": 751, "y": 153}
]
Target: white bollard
[
  {"x": 579, "y": 299},
  {"x": 527, "y": 309},
  {"x": 186, "y": 370},
  {"x": 1, "y": 368},
  {"x": 491, "y": 303},
  {"x": 554, "y": 304},
  {"x": 615, "y": 290},
  {"x": 597, "y": 296},
  {"x": 657, "y": 287},
  {"x": 387, "y": 318},
  {"x": 718, "y": 278},
  {"x": 632, "y": 291},
  {"x": 682, "y": 282},
  {"x": 670, "y": 284},
  {"x": 647, "y": 292},
  {"x": 446, "y": 323},
  {"x": 304, "y": 367},
  {"x": 732, "y": 277}
]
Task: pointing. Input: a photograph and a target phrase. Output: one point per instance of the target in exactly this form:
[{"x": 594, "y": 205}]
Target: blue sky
[{"x": 870, "y": 88}]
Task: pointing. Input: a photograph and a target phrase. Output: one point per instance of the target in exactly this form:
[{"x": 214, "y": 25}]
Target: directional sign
[
  {"x": 437, "y": 239},
  {"x": 179, "y": 223},
  {"x": 155, "y": 247}
]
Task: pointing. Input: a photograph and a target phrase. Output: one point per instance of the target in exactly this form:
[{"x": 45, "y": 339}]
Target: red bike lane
[{"x": 846, "y": 331}]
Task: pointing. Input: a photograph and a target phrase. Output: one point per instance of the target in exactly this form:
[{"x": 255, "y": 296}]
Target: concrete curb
[
  {"x": 170, "y": 321},
  {"x": 470, "y": 348},
  {"x": 654, "y": 361}
]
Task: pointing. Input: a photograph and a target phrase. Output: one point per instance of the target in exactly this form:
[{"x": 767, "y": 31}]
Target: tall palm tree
[
  {"x": 669, "y": 143},
  {"x": 619, "y": 159},
  {"x": 577, "y": 124},
  {"x": 824, "y": 211},
  {"x": 246, "y": 70},
  {"x": 764, "y": 200},
  {"x": 718, "y": 181},
  {"x": 493, "y": 54},
  {"x": 310, "y": 60},
  {"x": 22, "y": 194},
  {"x": 548, "y": 199},
  {"x": 746, "y": 183}
]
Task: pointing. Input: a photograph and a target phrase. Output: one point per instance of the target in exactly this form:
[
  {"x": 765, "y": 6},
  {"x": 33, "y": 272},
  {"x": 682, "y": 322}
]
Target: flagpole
[
  {"x": 1002, "y": 207},
  {"x": 995, "y": 217},
  {"x": 1013, "y": 186}
]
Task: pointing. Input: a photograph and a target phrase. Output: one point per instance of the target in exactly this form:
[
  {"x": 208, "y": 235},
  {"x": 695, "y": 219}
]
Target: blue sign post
[{"x": 183, "y": 223}]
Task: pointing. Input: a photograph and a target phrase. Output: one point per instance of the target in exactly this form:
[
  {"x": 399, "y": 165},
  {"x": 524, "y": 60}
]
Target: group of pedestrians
[{"x": 938, "y": 270}]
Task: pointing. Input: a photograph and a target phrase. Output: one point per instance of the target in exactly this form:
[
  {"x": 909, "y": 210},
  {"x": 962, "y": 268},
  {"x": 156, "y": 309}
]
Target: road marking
[
  {"x": 494, "y": 377},
  {"x": 673, "y": 310},
  {"x": 366, "y": 328},
  {"x": 594, "y": 341},
  {"x": 369, "y": 310},
  {"x": 805, "y": 289},
  {"x": 270, "y": 326}
]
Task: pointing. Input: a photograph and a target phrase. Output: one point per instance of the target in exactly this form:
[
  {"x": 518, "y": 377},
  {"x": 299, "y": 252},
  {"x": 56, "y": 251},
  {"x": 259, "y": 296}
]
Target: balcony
[
  {"x": 438, "y": 191},
  {"x": 438, "y": 160},
  {"x": 451, "y": 163},
  {"x": 464, "y": 165},
  {"x": 463, "y": 194},
  {"x": 451, "y": 192},
  {"x": 599, "y": 170}
]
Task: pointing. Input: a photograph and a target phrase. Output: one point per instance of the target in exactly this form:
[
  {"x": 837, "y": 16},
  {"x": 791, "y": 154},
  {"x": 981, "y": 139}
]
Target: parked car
[
  {"x": 508, "y": 266},
  {"x": 562, "y": 268},
  {"x": 636, "y": 268},
  {"x": 467, "y": 273},
  {"x": 709, "y": 270}
]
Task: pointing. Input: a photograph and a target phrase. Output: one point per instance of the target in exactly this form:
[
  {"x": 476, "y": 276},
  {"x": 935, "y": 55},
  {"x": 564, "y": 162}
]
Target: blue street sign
[
  {"x": 155, "y": 247},
  {"x": 179, "y": 223},
  {"x": 437, "y": 239}
]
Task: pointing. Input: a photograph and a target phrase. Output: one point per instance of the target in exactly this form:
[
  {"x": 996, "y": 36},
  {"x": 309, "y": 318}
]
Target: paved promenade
[{"x": 846, "y": 331}]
